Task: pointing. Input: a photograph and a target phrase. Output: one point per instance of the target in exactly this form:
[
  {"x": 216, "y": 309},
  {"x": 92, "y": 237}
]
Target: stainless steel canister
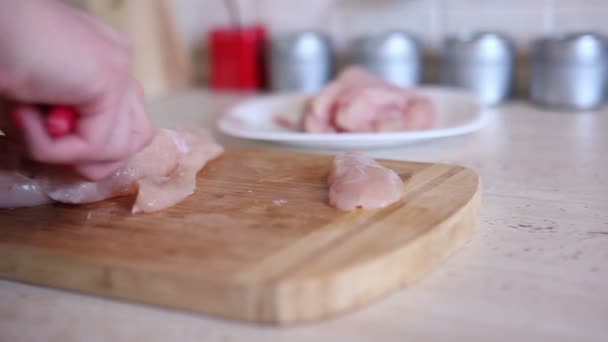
[
  {"x": 300, "y": 61},
  {"x": 394, "y": 56},
  {"x": 482, "y": 62},
  {"x": 569, "y": 71}
]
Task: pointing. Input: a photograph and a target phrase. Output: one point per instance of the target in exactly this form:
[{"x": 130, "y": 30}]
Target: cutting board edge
[
  {"x": 282, "y": 310},
  {"x": 238, "y": 150}
]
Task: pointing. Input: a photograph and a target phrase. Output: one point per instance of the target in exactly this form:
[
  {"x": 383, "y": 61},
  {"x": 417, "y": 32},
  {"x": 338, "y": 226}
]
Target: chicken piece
[
  {"x": 16, "y": 188},
  {"x": 65, "y": 187},
  {"x": 357, "y": 181},
  {"x": 358, "y": 101},
  {"x": 156, "y": 192},
  {"x": 161, "y": 175}
]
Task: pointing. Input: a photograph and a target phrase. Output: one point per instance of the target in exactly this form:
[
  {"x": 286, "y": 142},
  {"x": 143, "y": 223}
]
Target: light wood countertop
[{"x": 536, "y": 270}]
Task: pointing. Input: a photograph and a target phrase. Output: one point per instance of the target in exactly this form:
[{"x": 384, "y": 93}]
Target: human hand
[{"x": 53, "y": 54}]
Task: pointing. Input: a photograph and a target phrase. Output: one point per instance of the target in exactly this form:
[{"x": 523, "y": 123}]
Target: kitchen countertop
[{"x": 536, "y": 270}]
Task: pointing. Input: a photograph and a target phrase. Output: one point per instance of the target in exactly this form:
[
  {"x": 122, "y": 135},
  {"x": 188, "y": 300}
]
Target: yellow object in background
[{"x": 160, "y": 61}]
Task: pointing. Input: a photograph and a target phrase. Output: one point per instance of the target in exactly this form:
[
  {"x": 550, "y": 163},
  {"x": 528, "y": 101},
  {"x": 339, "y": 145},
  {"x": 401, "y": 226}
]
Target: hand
[{"x": 51, "y": 53}]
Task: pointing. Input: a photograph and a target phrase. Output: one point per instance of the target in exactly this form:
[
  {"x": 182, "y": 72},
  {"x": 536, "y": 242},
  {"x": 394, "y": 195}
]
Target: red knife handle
[{"x": 60, "y": 121}]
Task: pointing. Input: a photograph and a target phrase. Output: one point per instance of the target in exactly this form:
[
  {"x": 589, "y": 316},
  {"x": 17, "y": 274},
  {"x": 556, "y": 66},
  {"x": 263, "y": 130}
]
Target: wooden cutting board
[{"x": 256, "y": 242}]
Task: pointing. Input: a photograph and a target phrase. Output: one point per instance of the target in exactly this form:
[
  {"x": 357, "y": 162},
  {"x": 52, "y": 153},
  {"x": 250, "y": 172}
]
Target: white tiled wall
[
  {"x": 520, "y": 19},
  {"x": 430, "y": 20}
]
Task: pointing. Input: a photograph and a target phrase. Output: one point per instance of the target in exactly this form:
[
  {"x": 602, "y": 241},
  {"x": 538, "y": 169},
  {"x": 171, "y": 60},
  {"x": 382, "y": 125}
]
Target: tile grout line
[
  {"x": 436, "y": 19},
  {"x": 549, "y": 17}
]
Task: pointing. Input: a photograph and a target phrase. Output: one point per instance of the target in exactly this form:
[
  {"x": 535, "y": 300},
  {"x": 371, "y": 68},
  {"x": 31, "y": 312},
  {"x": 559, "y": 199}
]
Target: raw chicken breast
[
  {"x": 357, "y": 181},
  {"x": 360, "y": 102},
  {"x": 161, "y": 175},
  {"x": 16, "y": 188},
  {"x": 157, "y": 191}
]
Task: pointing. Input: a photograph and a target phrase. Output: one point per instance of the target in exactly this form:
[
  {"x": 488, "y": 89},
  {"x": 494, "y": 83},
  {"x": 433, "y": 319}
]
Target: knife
[{"x": 59, "y": 121}]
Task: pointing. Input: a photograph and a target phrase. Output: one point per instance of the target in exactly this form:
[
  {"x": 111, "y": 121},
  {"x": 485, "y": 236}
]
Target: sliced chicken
[
  {"x": 161, "y": 175},
  {"x": 16, "y": 188},
  {"x": 358, "y": 101},
  {"x": 358, "y": 182},
  {"x": 194, "y": 150}
]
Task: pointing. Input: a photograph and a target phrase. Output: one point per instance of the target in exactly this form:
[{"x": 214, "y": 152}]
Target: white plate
[{"x": 459, "y": 112}]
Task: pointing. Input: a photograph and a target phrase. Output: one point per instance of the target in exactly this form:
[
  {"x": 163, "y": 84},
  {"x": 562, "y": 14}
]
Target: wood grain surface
[{"x": 257, "y": 241}]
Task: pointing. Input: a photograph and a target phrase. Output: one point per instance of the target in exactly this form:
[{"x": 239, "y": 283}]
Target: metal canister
[
  {"x": 482, "y": 62},
  {"x": 300, "y": 61},
  {"x": 569, "y": 71},
  {"x": 394, "y": 56}
]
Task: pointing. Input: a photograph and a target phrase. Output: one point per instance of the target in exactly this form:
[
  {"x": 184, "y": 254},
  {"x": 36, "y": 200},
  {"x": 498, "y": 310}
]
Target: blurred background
[{"x": 172, "y": 38}]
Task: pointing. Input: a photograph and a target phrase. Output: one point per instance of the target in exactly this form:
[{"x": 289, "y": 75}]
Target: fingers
[
  {"x": 102, "y": 126},
  {"x": 97, "y": 171},
  {"x": 142, "y": 130},
  {"x": 118, "y": 138},
  {"x": 131, "y": 134},
  {"x": 103, "y": 141},
  {"x": 69, "y": 149},
  {"x": 41, "y": 146}
]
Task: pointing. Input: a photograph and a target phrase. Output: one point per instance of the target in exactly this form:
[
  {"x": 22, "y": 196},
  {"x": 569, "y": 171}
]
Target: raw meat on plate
[{"x": 358, "y": 101}]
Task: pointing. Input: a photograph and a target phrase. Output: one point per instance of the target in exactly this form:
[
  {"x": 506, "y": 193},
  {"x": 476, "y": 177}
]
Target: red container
[{"x": 237, "y": 57}]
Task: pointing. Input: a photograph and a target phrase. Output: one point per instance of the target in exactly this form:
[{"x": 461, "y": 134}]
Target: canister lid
[
  {"x": 572, "y": 48},
  {"x": 386, "y": 47},
  {"x": 481, "y": 47},
  {"x": 303, "y": 46}
]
